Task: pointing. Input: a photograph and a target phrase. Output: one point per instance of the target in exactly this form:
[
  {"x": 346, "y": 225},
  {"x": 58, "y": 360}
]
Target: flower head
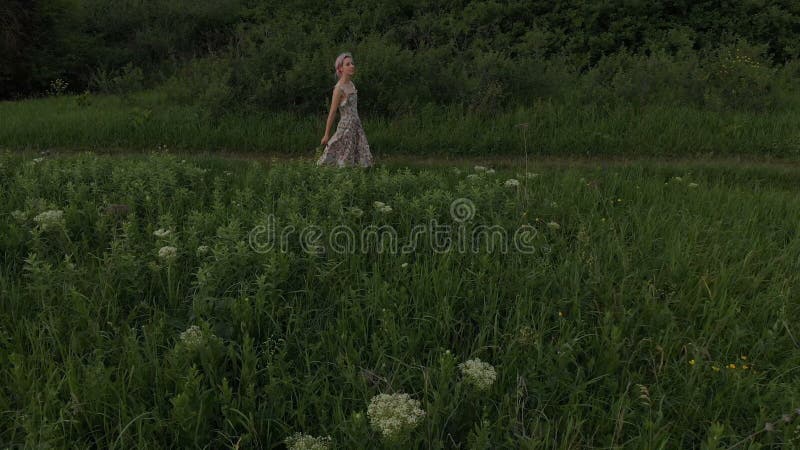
[
  {"x": 168, "y": 253},
  {"x": 511, "y": 182},
  {"x": 193, "y": 336},
  {"x": 478, "y": 373},
  {"x": 50, "y": 219},
  {"x": 394, "y": 414},
  {"x": 161, "y": 232},
  {"x": 382, "y": 207},
  {"x": 300, "y": 441}
]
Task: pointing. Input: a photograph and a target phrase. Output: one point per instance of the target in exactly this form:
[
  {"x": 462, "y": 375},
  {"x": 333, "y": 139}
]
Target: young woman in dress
[{"x": 348, "y": 147}]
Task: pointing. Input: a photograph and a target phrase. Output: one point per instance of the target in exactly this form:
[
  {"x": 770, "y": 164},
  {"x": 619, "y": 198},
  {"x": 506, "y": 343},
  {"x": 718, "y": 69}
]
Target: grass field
[
  {"x": 148, "y": 119},
  {"x": 644, "y": 306}
]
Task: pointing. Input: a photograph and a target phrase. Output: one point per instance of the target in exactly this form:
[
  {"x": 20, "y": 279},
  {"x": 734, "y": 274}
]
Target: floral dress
[{"x": 348, "y": 146}]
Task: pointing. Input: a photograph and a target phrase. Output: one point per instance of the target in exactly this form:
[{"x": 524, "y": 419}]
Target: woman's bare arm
[{"x": 337, "y": 95}]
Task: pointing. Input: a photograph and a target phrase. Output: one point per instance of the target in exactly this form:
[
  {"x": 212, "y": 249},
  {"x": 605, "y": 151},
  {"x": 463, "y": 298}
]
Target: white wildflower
[
  {"x": 480, "y": 169},
  {"x": 38, "y": 160},
  {"x": 161, "y": 232},
  {"x": 382, "y": 207},
  {"x": 478, "y": 373},
  {"x": 168, "y": 252},
  {"x": 531, "y": 175},
  {"x": 202, "y": 250},
  {"x": 300, "y": 441},
  {"x": 489, "y": 171},
  {"x": 512, "y": 182},
  {"x": 356, "y": 211},
  {"x": 50, "y": 219},
  {"x": 692, "y": 185},
  {"x": 404, "y": 265},
  {"x": 472, "y": 176},
  {"x": 193, "y": 336},
  {"x": 394, "y": 414},
  {"x": 553, "y": 225},
  {"x": 678, "y": 179},
  {"x": 19, "y": 216}
]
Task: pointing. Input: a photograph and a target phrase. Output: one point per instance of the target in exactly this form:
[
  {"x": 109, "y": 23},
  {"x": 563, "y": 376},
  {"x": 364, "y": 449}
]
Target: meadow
[
  {"x": 648, "y": 306},
  {"x": 573, "y": 128}
]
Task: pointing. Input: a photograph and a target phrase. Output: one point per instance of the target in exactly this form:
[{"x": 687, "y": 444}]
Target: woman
[{"x": 348, "y": 146}]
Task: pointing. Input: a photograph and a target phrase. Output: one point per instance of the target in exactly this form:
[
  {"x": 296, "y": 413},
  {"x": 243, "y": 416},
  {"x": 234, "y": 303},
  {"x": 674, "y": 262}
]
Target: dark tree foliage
[{"x": 271, "y": 55}]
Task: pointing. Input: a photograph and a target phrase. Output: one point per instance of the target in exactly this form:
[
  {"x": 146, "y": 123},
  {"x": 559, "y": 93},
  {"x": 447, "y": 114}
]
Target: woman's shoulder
[{"x": 345, "y": 87}]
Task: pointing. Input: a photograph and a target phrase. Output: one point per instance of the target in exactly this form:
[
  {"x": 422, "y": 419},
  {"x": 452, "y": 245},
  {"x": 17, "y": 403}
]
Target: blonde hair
[{"x": 337, "y": 66}]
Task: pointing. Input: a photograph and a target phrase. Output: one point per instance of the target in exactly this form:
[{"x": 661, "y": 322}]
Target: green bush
[{"x": 485, "y": 56}]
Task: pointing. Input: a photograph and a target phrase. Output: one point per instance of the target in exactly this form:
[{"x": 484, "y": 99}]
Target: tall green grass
[
  {"x": 147, "y": 120},
  {"x": 619, "y": 331}
]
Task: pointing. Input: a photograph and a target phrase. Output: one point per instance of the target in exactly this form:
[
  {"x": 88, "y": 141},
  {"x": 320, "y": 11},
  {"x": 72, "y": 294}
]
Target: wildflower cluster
[
  {"x": 50, "y": 219},
  {"x": 394, "y": 414},
  {"x": 300, "y": 441},
  {"x": 382, "y": 207},
  {"x": 738, "y": 60},
  {"x": 168, "y": 253},
  {"x": 193, "y": 337},
  {"x": 161, "y": 233},
  {"x": 731, "y": 366},
  {"x": 478, "y": 373}
]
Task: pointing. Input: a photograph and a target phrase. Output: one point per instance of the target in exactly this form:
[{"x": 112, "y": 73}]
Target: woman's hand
[{"x": 324, "y": 139}]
